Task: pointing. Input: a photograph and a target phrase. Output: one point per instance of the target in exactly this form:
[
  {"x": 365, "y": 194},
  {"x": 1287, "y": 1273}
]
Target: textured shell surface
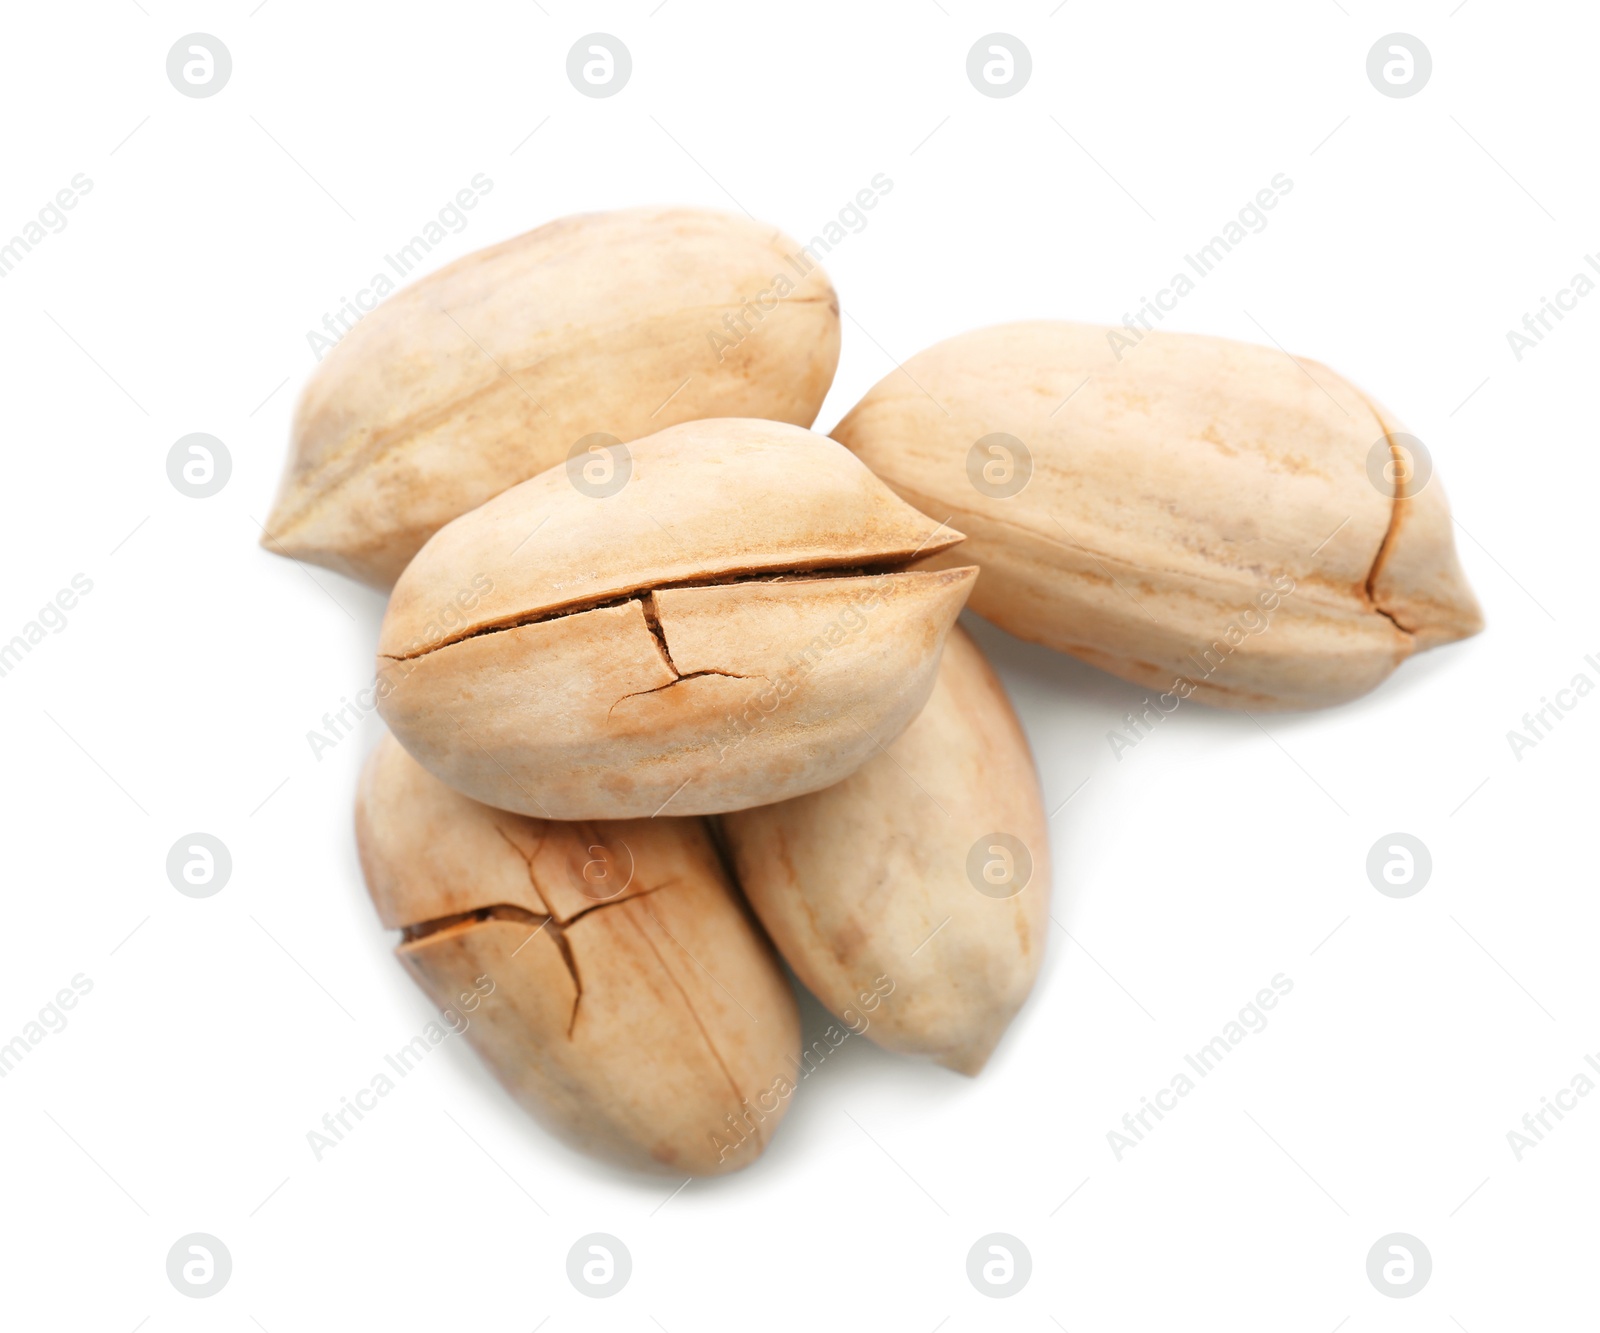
[
  {"x": 913, "y": 898},
  {"x": 607, "y": 973},
  {"x": 735, "y": 625},
  {"x": 599, "y": 327},
  {"x": 1201, "y": 516}
]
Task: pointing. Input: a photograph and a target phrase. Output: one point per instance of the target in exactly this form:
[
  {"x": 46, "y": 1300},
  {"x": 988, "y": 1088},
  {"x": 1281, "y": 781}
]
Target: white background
[{"x": 1216, "y": 854}]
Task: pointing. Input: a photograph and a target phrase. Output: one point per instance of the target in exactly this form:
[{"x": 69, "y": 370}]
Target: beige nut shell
[
  {"x": 734, "y": 626},
  {"x": 1171, "y": 491},
  {"x": 870, "y": 888},
  {"x": 617, "y": 987},
  {"x": 490, "y": 370}
]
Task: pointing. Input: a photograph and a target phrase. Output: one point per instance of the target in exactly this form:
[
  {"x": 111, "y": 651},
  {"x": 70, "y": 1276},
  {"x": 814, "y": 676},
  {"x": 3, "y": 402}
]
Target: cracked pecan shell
[
  {"x": 485, "y": 373},
  {"x": 606, "y": 972},
  {"x": 1201, "y": 516},
  {"x": 736, "y": 625}
]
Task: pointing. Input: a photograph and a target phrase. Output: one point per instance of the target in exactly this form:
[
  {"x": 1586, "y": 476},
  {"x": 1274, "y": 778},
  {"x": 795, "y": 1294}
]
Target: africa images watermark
[
  {"x": 51, "y": 1019},
  {"x": 51, "y": 220},
  {"x": 1251, "y": 219},
  {"x": 336, "y": 1124},
  {"x": 344, "y": 720},
  {"x": 763, "y": 703},
  {"x": 1537, "y": 324},
  {"x": 737, "y": 325},
  {"x": 1538, "y": 725},
  {"x": 739, "y": 1129},
  {"x": 403, "y": 261},
  {"x": 1536, "y": 1124},
  {"x": 52, "y": 616},
  {"x": 1252, "y": 1018},
  {"x": 1255, "y": 620}
]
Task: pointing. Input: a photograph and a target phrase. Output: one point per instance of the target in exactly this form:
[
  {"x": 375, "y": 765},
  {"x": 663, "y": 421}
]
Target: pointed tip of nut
[
  {"x": 1448, "y": 623},
  {"x": 279, "y": 534},
  {"x": 969, "y": 1060},
  {"x": 269, "y": 540},
  {"x": 1419, "y": 582},
  {"x": 285, "y": 536}
]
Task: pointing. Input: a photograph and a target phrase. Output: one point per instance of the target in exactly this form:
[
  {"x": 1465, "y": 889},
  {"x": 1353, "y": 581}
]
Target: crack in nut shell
[
  {"x": 1160, "y": 507},
  {"x": 742, "y": 665},
  {"x": 606, "y": 972}
]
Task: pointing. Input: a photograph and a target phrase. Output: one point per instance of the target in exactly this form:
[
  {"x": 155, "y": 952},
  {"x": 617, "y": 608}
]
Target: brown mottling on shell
[
  {"x": 847, "y": 940},
  {"x": 1131, "y": 399}
]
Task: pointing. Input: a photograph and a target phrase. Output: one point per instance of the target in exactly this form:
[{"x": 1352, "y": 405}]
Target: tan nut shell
[
  {"x": 634, "y": 1025},
  {"x": 488, "y": 371},
  {"x": 1168, "y": 490},
  {"x": 688, "y": 644},
  {"x": 872, "y": 878}
]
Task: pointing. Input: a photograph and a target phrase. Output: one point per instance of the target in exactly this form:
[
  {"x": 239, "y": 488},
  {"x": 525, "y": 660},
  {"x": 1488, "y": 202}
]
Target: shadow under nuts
[
  {"x": 592, "y": 330},
  {"x": 735, "y": 625},
  {"x": 913, "y": 897},
  {"x": 1201, "y": 516},
  {"x": 613, "y": 981}
]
